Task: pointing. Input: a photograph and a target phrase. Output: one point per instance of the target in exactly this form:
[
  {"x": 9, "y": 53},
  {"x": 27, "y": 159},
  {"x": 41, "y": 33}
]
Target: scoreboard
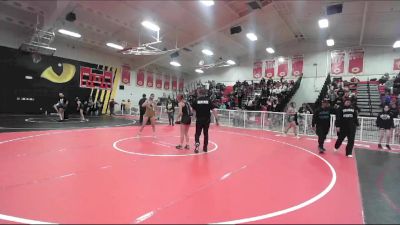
[{"x": 93, "y": 78}]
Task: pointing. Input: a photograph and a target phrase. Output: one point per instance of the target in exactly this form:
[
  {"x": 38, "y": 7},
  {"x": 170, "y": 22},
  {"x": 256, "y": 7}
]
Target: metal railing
[{"x": 277, "y": 122}]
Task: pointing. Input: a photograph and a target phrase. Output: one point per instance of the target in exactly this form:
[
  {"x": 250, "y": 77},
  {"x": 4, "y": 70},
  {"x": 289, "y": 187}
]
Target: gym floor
[{"x": 99, "y": 172}]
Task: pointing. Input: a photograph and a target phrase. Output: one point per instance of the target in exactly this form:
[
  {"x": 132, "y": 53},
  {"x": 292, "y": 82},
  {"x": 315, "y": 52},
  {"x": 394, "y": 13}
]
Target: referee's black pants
[
  {"x": 350, "y": 133},
  {"x": 202, "y": 126},
  {"x": 322, "y": 132}
]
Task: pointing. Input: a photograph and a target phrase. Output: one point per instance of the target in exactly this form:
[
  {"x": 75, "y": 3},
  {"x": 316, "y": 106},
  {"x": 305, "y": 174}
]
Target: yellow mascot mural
[{"x": 67, "y": 74}]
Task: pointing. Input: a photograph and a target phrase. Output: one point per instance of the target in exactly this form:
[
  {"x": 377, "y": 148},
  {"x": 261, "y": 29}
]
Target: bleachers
[{"x": 368, "y": 99}]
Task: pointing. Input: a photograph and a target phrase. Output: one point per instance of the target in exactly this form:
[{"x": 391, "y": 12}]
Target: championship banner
[
  {"x": 159, "y": 81},
  {"x": 140, "y": 78},
  {"x": 174, "y": 83},
  {"x": 356, "y": 61},
  {"x": 167, "y": 80},
  {"x": 297, "y": 65},
  {"x": 270, "y": 68},
  {"x": 126, "y": 75},
  {"x": 337, "y": 62},
  {"x": 150, "y": 79},
  {"x": 283, "y": 68},
  {"x": 257, "y": 70},
  {"x": 396, "y": 64},
  {"x": 181, "y": 84}
]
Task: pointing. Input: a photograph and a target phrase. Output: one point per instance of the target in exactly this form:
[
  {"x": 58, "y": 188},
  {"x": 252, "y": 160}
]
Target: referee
[{"x": 203, "y": 107}]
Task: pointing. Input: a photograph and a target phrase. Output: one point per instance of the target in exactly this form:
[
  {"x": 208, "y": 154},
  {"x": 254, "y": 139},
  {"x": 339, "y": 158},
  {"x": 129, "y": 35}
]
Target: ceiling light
[
  {"x": 330, "y": 42},
  {"x": 199, "y": 71},
  {"x": 28, "y": 77},
  {"x": 281, "y": 59},
  {"x": 396, "y": 44},
  {"x": 207, "y": 52},
  {"x": 208, "y": 2},
  {"x": 270, "y": 50},
  {"x": 175, "y": 63},
  {"x": 150, "y": 25},
  {"x": 231, "y": 62},
  {"x": 251, "y": 36},
  {"x": 69, "y": 33},
  {"x": 112, "y": 45},
  {"x": 323, "y": 23}
]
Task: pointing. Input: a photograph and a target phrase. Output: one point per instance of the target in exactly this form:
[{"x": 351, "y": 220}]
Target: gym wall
[{"x": 49, "y": 77}]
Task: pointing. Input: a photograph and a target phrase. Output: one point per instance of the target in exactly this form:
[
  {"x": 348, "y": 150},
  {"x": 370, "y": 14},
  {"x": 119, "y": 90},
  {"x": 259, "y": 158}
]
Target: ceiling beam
[
  {"x": 54, "y": 19},
  {"x": 284, "y": 19},
  {"x": 218, "y": 29},
  {"x": 228, "y": 6},
  {"x": 363, "y": 23}
]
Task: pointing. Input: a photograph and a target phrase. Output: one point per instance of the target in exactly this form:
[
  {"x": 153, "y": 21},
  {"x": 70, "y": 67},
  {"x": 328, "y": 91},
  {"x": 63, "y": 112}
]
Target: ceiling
[{"x": 191, "y": 25}]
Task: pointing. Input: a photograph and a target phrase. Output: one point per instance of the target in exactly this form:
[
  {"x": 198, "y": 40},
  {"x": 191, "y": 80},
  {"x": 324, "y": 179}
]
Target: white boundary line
[
  {"x": 133, "y": 122},
  {"x": 293, "y": 208},
  {"x": 115, "y": 146},
  {"x": 244, "y": 220}
]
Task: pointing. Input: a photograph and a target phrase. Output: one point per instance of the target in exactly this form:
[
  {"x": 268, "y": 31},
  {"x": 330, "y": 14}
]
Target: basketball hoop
[{"x": 147, "y": 48}]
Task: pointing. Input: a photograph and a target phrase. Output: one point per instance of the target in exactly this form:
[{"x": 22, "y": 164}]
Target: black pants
[
  {"x": 111, "y": 111},
  {"x": 199, "y": 127},
  {"x": 141, "y": 117},
  {"x": 322, "y": 132},
  {"x": 171, "y": 118},
  {"x": 350, "y": 133}
]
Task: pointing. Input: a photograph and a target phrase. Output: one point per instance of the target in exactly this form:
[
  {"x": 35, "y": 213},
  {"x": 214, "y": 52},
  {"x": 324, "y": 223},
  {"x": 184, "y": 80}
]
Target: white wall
[
  {"x": 70, "y": 49},
  {"x": 134, "y": 93},
  {"x": 377, "y": 61}
]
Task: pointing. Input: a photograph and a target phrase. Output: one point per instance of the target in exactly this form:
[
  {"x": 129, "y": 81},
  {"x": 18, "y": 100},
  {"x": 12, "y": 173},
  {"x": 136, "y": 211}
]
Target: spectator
[
  {"x": 340, "y": 92},
  {"x": 128, "y": 106},
  {"x": 394, "y": 111},
  {"x": 332, "y": 95},
  {"x": 305, "y": 109},
  {"x": 142, "y": 109},
  {"x": 386, "y": 99},
  {"x": 112, "y": 104},
  {"x": 122, "y": 106}
]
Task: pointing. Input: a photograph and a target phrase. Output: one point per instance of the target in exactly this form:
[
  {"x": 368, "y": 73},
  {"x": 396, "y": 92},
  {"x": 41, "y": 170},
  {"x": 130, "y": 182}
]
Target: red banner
[
  {"x": 167, "y": 80},
  {"x": 94, "y": 78},
  {"x": 283, "y": 67},
  {"x": 270, "y": 68},
  {"x": 356, "y": 61},
  {"x": 126, "y": 75},
  {"x": 150, "y": 79},
  {"x": 337, "y": 62},
  {"x": 297, "y": 65},
  {"x": 174, "y": 83},
  {"x": 396, "y": 64},
  {"x": 159, "y": 81},
  {"x": 257, "y": 70},
  {"x": 140, "y": 78},
  {"x": 181, "y": 84}
]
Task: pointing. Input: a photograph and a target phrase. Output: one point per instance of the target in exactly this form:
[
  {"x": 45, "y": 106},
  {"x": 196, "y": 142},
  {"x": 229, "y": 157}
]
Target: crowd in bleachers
[
  {"x": 390, "y": 89},
  {"x": 339, "y": 90},
  {"x": 265, "y": 95}
]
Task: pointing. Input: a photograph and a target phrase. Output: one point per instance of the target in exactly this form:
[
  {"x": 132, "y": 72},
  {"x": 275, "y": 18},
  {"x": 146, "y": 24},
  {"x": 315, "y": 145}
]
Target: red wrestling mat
[{"x": 109, "y": 176}]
